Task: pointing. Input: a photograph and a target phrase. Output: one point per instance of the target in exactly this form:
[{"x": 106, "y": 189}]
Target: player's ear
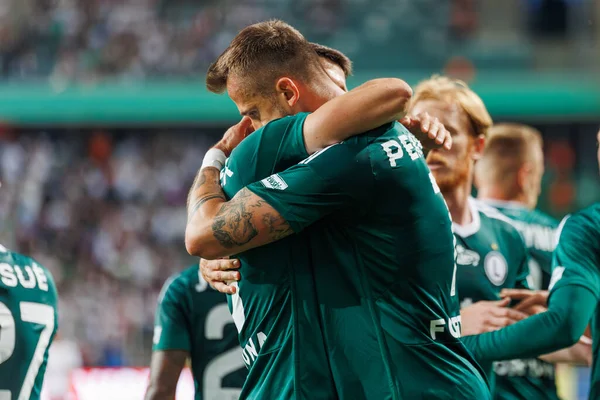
[
  {"x": 523, "y": 175},
  {"x": 478, "y": 145},
  {"x": 288, "y": 90}
]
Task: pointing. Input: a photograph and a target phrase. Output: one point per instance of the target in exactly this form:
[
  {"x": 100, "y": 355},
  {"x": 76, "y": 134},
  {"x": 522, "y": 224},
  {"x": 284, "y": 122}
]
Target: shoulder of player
[
  {"x": 275, "y": 127},
  {"x": 541, "y": 218},
  {"x": 249, "y": 144},
  {"x": 185, "y": 285},
  {"x": 582, "y": 222},
  {"x": 179, "y": 283},
  {"x": 497, "y": 219},
  {"x": 20, "y": 259}
]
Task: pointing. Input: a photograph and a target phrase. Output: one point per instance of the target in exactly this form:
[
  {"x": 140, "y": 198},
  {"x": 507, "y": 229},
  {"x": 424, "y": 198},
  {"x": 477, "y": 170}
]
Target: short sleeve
[
  {"x": 274, "y": 147},
  {"x": 171, "y": 326},
  {"x": 337, "y": 177},
  {"x": 577, "y": 256},
  {"x": 290, "y": 133}
]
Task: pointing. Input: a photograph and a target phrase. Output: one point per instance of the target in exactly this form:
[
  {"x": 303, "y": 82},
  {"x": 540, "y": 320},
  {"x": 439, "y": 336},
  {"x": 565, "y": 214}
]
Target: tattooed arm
[{"x": 218, "y": 228}]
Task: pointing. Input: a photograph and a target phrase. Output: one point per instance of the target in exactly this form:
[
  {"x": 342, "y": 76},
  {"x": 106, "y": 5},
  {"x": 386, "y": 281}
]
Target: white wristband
[
  {"x": 585, "y": 340},
  {"x": 214, "y": 158}
]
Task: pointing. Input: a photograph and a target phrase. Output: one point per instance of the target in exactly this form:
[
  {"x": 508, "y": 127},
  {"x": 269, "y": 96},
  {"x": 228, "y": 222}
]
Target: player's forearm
[
  {"x": 155, "y": 393},
  {"x": 367, "y": 107},
  {"x": 217, "y": 228},
  {"x": 165, "y": 368},
  {"x": 204, "y": 200},
  {"x": 559, "y": 327},
  {"x": 578, "y": 354}
]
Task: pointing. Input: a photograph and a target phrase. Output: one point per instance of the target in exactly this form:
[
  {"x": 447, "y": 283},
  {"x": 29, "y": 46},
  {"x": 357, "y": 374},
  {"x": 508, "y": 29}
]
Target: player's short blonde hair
[
  {"x": 457, "y": 92},
  {"x": 508, "y": 147}
]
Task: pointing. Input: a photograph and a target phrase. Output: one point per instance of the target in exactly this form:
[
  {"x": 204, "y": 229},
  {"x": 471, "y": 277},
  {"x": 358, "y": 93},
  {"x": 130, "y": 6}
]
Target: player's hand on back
[
  {"x": 429, "y": 130},
  {"x": 234, "y": 135},
  {"x": 220, "y": 273},
  {"x": 488, "y": 316}
]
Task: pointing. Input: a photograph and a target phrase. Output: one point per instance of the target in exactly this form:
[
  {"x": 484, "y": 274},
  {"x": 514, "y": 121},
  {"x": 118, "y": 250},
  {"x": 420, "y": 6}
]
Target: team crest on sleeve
[
  {"x": 274, "y": 182},
  {"x": 496, "y": 267}
]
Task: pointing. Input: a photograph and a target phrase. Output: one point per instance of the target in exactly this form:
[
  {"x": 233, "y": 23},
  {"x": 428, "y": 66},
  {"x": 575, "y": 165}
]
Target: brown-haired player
[
  {"x": 368, "y": 273},
  {"x": 193, "y": 321}
]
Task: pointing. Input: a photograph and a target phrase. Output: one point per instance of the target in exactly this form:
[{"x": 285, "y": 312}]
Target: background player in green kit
[
  {"x": 420, "y": 347},
  {"x": 491, "y": 254},
  {"x": 572, "y": 303},
  {"x": 28, "y": 323},
  {"x": 509, "y": 178},
  {"x": 193, "y": 322}
]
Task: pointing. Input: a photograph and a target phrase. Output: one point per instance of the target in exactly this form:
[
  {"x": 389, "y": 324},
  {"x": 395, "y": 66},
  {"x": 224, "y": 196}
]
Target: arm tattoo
[
  {"x": 206, "y": 187},
  {"x": 199, "y": 180},
  {"x": 192, "y": 210},
  {"x": 233, "y": 225},
  {"x": 278, "y": 227}
]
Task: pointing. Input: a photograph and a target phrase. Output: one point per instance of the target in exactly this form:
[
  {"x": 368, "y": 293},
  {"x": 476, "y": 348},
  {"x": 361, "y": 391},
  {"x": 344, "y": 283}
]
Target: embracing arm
[
  {"x": 277, "y": 206},
  {"x": 570, "y": 309},
  {"x": 218, "y": 228},
  {"x": 578, "y": 354},
  {"x": 374, "y": 103}
]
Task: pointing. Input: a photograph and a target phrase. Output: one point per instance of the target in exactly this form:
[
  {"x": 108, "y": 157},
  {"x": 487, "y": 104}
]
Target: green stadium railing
[{"x": 532, "y": 96}]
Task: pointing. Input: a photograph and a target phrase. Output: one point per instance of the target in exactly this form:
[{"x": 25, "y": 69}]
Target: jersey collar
[
  {"x": 473, "y": 226},
  {"x": 503, "y": 203}
]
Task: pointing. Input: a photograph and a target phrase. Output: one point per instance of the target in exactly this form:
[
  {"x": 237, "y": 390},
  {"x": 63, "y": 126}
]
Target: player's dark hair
[
  {"x": 260, "y": 54},
  {"x": 335, "y": 56}
]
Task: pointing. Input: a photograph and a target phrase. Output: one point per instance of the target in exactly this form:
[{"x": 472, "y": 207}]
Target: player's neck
[
  {"x": 312, "y": 98},
  {"x": 457, "y": 200},
  {"x": 492, "y": 193}
]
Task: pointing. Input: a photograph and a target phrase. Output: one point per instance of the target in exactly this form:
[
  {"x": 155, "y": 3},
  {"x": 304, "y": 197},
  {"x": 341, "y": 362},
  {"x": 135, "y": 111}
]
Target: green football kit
[
  {"x": 572, "y": 303},
  {"x": 491, "y": 256},
  {"x": 275, "y": 308},
  {"x": 381, "y": 259},
  {"x": 28, "y": 323},
  {"x": 532, "y": 378},
  {"x": 193, "y": 317}
]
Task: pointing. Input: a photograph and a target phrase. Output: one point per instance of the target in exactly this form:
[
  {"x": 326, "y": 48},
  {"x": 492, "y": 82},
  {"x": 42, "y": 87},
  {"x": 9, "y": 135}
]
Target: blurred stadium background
[{"x": 104, "y": 119}]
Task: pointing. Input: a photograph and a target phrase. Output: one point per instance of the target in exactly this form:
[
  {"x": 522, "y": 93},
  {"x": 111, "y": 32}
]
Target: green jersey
[
  {"x": 193, "y": 317},
  {"x": 491, "y": 256},
  {"x": 274, "y": 308},
  {"x": 383, "y": 258},
  {"x": 533, "y": 378},
  {"x": 577, "y": 263},
  {"x": 28, "y": 323}
]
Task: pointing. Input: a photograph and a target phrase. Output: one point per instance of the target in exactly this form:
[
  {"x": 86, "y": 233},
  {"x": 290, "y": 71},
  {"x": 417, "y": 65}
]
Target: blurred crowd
[
  {"x": 87, "y": 40},
  {"x": 129, "y": 40},
  {"x": 106, "y": 215}
]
